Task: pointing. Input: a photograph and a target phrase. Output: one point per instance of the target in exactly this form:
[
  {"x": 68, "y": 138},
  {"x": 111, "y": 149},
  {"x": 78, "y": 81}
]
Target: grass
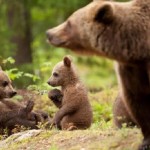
[{"x": 108, "y": 139}]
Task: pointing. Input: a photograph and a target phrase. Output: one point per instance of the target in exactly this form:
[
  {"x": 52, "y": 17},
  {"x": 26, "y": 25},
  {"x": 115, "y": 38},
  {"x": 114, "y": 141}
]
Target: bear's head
[
  {"x": 83, "y": 29},
  {"x": 6, "y": 89},
  {"x": 63, "y": 73},
  {"x": 116, "y": 30}
]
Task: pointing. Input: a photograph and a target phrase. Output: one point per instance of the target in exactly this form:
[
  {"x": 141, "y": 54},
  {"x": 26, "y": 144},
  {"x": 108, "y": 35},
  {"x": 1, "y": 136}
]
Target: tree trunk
[{"x": 19, "y": 20}]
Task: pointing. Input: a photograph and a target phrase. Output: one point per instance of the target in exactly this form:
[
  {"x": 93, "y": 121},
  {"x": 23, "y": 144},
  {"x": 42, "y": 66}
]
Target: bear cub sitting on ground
[{"x": 74, "y": 108}]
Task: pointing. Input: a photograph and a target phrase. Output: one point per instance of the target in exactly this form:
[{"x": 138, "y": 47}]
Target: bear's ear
[
  {"x": 105, "y": 14},
  {"x": 67, "y": 61}
]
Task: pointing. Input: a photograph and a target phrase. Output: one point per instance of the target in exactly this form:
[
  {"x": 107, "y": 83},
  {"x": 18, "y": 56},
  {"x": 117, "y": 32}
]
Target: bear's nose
[
  {"x": 48, "y": 82},
  {"x": 13, "y": 93},
  {"x": 49, "y": 35}
]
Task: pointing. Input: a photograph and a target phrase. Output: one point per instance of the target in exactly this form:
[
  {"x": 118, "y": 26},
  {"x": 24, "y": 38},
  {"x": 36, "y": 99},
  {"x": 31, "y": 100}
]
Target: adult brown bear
[{"x": 119, "y": 31}]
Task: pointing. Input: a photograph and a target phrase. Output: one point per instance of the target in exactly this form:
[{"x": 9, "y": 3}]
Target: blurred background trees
[{"x": 23, "y": 25}]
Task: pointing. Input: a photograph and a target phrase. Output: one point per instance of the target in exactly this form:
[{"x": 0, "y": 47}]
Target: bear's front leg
[
  {"x": 63, "y": 111},
  {"x": 135, "y": 90},
  {"x": 56, "y": 120}
]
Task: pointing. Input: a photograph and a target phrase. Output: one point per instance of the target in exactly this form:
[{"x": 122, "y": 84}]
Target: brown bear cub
[
  {"x": 121, "y": 115},
  {"x": 11, "y": 113},
  {"x": 74, "y": 108}
]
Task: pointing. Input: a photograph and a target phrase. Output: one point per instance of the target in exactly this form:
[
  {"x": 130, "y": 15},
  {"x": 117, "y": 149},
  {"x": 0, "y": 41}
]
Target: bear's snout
[
  {"x": 55, "y": 39},
  {"x": 48, "y": 82},
  {"x": 51, "y": 83},
  {"x": 49, "y": 35},
  {"x": 13, "y": 93}
]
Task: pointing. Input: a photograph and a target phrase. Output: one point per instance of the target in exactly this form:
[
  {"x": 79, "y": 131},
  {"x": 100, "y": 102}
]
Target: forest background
[{"x": 28, "y": 58}]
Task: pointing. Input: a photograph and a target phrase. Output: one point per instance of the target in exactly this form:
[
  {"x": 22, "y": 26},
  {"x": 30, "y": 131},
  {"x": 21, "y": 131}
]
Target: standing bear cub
[
  {"x": 74, "y": 108},
  {"x": 119, "y": 31}
]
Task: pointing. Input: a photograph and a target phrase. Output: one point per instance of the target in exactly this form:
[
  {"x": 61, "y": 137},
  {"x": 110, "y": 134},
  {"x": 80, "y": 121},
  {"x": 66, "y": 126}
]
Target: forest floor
[
  {"x": 92, "y": 139},
  {"x": 102, "y": 135}
]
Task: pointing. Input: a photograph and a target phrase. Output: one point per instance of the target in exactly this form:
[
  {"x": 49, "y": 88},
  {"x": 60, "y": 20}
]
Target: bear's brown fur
[
  {"x": 121, "y": 115},
  {"x": 56, "y": 96},
  {"x": 120, "y": 31},
  {"x": 11, "y": 113},
  {"x": 74, "y": 109}
]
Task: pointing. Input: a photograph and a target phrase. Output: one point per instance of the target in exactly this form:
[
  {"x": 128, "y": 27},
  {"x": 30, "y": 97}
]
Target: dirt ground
[{"x": 110, "y": 139}]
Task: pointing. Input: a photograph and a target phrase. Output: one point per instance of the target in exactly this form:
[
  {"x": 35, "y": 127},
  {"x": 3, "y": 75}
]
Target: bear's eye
[
  {"x": 55, "y": 74},
  {"x": 5, "y": 83}
]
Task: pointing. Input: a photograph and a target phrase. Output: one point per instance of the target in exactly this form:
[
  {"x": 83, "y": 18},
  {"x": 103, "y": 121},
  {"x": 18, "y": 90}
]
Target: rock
[{"x": 19, "y": 137}]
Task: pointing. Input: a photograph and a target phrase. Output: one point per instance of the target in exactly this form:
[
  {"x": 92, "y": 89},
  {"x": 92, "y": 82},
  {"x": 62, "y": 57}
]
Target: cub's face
[
  {"x": 6, "y": 89},
  {"x": 82, "y": 31},
  {"x": 57, "y": 76},
  {"x": 60, "y": 74}
]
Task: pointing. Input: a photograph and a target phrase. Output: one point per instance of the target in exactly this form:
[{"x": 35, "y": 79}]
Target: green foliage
[
  {"x": 102, "y": 105},
  {"x": 102, "y": 111},
  {"x": 8, "y": 60},
  {"x": 33, "y": 77},
  {"x": 15, "y": 73},
  {"x": 53, "y": 147},
  {"x": 45, "y": 15}
]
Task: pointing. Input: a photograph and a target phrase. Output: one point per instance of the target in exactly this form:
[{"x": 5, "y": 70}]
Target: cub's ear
[
  {"x": 67, "y": 61},
  {"x": 105, "y": 14}
]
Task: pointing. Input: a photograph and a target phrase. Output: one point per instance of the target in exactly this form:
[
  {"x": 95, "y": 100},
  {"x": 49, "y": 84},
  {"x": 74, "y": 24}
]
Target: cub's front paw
[
  {"x": 55, "y": 95},
  {"x": 56, "y": 122}
]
